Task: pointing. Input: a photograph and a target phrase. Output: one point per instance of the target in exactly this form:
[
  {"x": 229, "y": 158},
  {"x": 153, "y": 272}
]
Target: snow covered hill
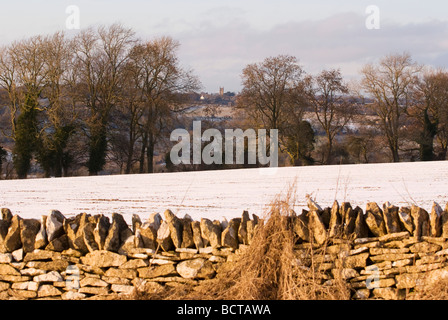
[{"x": 218, "y": 194}]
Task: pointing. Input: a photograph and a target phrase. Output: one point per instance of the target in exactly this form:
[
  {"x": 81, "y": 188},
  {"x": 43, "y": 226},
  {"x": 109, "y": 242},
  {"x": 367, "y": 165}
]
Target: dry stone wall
[{"x": 387, "y": 252}]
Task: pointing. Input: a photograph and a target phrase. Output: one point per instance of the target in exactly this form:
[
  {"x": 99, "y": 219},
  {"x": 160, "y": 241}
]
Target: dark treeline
[{"x": 106, "y": 101}]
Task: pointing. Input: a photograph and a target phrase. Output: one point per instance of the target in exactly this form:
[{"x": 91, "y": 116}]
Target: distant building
[{"x": 221, "y": 91}]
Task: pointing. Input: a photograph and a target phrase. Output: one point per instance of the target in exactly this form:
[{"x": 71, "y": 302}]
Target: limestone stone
[
  {"x": 32, "y": 272},
  {"x": 136, "y": 222},
  {"x": 197, "y": 235},
  {"x": 388, "y": 293},
  {"x": 374, "y": 219},
  {"x": 424, "y": 267},
  {"x": 97, "y": 291},
  {"x": 187, "y": 232},
  {"x": 435, "y": 222},
  {"x": 27, "y": 285},
  {"x": 148, "y": 234},
  {"x": 355, "y": 261},
  {"x": 74, "y": 229},
  {"x": 134, "y": 264},
  {"x": 103, "y": 259},
  {"x": 211, "y": 233},
  {"x": 444, "y": 222},
  {"x": 101, "y": 231},
  {"x": 430, "y": 259},
  {"x": 361, "y": 229},
  {"x": 164, "y": 239},
  {"x": 128, "y": 245},
  {"x": 113, "y": 241},
  {"x": 59, "y": 244},
  {"x": 22, "y": 294},
  {"x": 393, "y": 257},
  {"x": 12, "y": 240},
  {"x": 312, "y": 205},
  {"x": 57, "y": 265},
  {"x": 159, "y": 262},
  {"x": 116, "y": 280},
  {"x": 335, "y": 224},
  {"x": 6, "y": 269},
  {"x": 317, "y": 227},
  {"x": 380, "y": 251},
  {"x": 229, "y": 237},
  {"x": 402, "y": 263},
  {"x": 92, "y": 282},
  {"x": 348, "y": 217},
  {"x": 391, "y": 219},
  {"x": 300, "y": 227},
  {"x": 345, "y": 273},
  {"x": 424, "y": 247},
  {"x": 6, "y": 215},
  {"x": 41, "y": 240},
  {"x": 394, "y": 236},
  {"x": 41, "y": 255},
  {"x": 242, "y": 230},
  {"x": 251, "y": 226},
  {"x": 409, "y": 280},
  {"x": 52, "y": 276},
  {"x": 73, "y": 295},
  {"x": 47, "y": 290},
  {"x": 121, "y": 288},
  {"x": 157, "y": 271},
  {"x": 28, "y": 231},
  {"x": 54, "y": 224},
  {"x": 361, "y": 294},
  {"x": 5, "y": 257},
  {"x": 404, "y": 215},
  {"x": 175, "y": 225},
  {"x": 4, "y": 225},
  {"x": 121, "y": 273},
  {"x": 4, "y": 286},
  {"x": 196, "y": 269},
  {"x": 421, "y": 221},
  {"x": 155, "y": 220},
  {"x": 14, "y": 278}
]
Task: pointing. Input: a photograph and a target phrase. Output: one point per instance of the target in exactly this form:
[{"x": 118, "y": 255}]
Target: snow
[{"x": 218, "y": 194}]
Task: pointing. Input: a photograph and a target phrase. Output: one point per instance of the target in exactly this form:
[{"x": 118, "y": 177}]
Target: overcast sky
[{"x": 220, "y": 37}]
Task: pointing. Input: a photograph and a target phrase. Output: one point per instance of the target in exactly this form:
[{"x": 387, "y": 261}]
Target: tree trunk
[
  {"x": 150, "y": 154},
  {"x": 143, "y": 152},
  {"x": 426, "y": 140},
  {"x": 97, "y": 153},
  {"x": 329, "y": 151}
]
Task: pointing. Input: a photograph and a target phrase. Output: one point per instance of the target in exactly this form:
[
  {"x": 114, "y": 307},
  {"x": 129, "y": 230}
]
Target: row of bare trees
[
  {"x": 71, "y": 100},
  {"x": 106, "y": 96},
  {"x": 403, "y": 102}
]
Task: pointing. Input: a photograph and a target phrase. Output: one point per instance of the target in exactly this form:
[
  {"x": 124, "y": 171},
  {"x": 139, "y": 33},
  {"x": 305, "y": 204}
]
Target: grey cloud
[{"x": 340, "y": 40}]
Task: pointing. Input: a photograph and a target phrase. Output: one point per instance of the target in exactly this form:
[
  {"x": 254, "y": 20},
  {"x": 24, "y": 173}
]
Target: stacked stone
[
  {"x": 343, "y": 221},
  {"x": 386, "y": 253},
  {"x": 400, "y": 265},
  {"x": 87, "y": 257}
]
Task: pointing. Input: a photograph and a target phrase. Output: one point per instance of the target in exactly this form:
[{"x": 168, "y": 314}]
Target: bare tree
[
  {"x": 59, "y": 122},
  {"x": 23, "y": 75},
  {"x": 391, "y": 83},
  {"x": 161, "y": 81},
  {"x": 327, "y": 94},
  {"x": 101, "y": 55},
  {"x": 272, "y": 90},
  {"x": 429, "y": 110}
]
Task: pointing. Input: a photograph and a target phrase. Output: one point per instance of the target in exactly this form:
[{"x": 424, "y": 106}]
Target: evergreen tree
[
  {"x": 25, "y": 137},
  {"x": 3, "y": 155}
]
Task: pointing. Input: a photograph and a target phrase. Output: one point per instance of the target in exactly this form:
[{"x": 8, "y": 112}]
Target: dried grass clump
[{"x": 267, "y": 270}]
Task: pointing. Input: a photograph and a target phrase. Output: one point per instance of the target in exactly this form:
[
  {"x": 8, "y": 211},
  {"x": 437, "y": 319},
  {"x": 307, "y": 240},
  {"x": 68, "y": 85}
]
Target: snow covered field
[{"x": 218, "y": 194}]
